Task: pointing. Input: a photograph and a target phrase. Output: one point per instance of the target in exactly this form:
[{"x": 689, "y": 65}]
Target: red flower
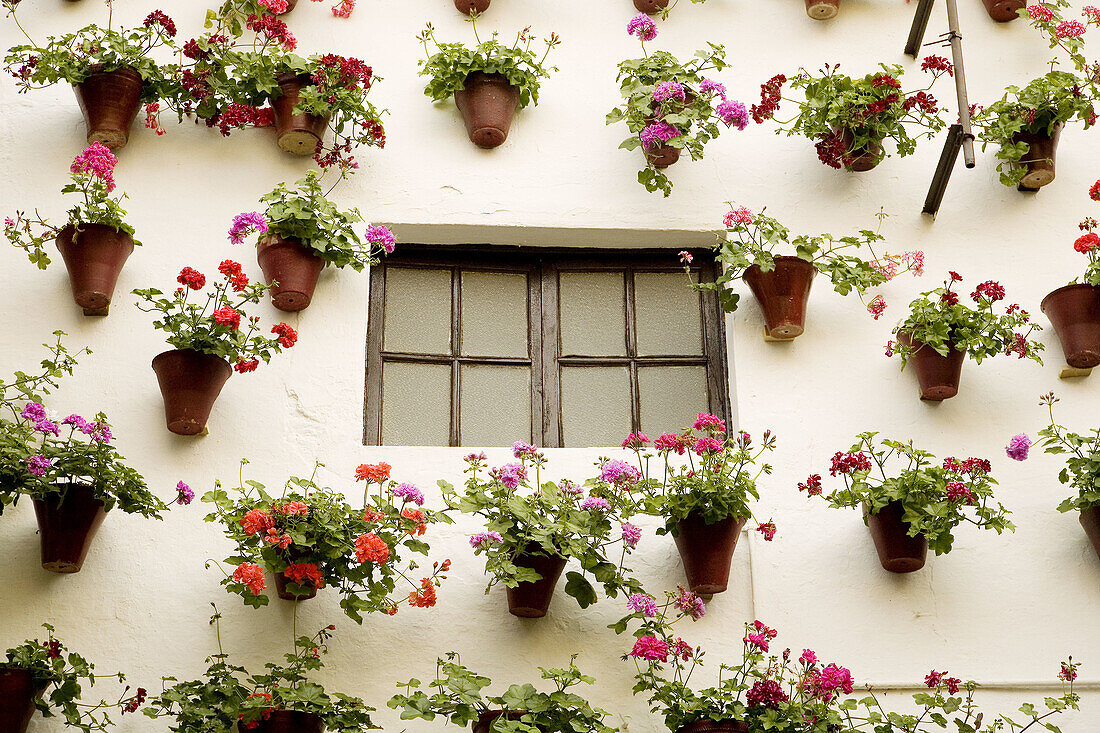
[
  {"x": 251, "y": 575},
  {"x": 256, "y": 521},
  {"x": 301, "y": 572},
  {"x": 425, "y": 597},
  {"x": 371, "y": 548},
  {"x": 767, "y": 529},
  {"x": 937, "y": 64},
  {"x": 1094, "y": 192},
  {"x": 192, "y": 278},
  {"x": 417, "y": 517},
  {"x": 287, "y": 335},
  {"x": 885, "y": 80},
  {"x": 227, "y": 317},
  {"x": 812, "y": 487},
  {"x": 950, "y": 298},
  {"x": 848, "y": 462},
  {"x": 295, "y": 507},
  {"x": 375, "y": 472},
  {"x": 955, "y": 277},
  {"x": 994, "y": 291},
  {"x": 243, "y": 366},
  {"x": 1086, "y": 243},
  {"x": 770, "y": 95},
  {"x": 282, "y": 541},
  {"x": 159, "y": 17}
]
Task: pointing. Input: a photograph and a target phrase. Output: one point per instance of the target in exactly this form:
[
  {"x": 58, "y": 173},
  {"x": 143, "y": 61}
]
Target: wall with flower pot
[{"x": 1000, "y": 609}]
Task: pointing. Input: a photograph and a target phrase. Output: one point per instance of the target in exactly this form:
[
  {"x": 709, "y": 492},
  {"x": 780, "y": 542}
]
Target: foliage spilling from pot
[
  {"x": 916, "y": 507},
  {"x": 850, "y": 118},
  {"x": 670, "y": 106},
  {"x": 532, "y": 528},
  {"x": 207, "y": 336},
  {"x": 489, "y": 81},
  {"x": 456, "y": 695},
  {"x": 1074, "y": 309},
  {"x": 95, "y": 241},
  {"x": 941, "y": 330},
  {"x": 781, "y": 283},
  {"x": 310, "y": 537},
  {"x": 659, "y": 7},
  {"x": 301, "y": 232},
  {"x": 45, "y": 676},
  {"x": 341, "y": 8}
]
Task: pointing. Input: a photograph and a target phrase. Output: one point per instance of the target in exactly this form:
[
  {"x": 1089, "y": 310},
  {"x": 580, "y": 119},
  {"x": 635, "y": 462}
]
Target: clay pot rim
[
  {"x": 302, "y": 77},
  {"x": 164, "y": 354},
  {"x": 271, "y": 240},
  {"x": 124, "y": 69},
  {"x": 789, "y": 259},
  {"x": 38, "y": 688},
  {"x": 82, "y": 226},
  {"x": 1065, "y": 288}
]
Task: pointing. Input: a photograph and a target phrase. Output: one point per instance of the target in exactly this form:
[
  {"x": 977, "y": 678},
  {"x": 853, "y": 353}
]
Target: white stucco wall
[{"x": 998, "y": 609}]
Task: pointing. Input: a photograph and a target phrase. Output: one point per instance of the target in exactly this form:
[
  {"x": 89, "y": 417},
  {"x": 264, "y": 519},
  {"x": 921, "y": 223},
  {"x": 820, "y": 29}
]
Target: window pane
[
  {"x": 592, "y": 319},
  {"x": 418, "y": 311},
  {"x": 595, "y": 406},
  {"x": 670, "y": 397},
  {"x": 416, "y": 404},
  {"x": 668, "y": 315},
  {"x": 496, "y": 405},
  {"x": 494, "y": 314}
]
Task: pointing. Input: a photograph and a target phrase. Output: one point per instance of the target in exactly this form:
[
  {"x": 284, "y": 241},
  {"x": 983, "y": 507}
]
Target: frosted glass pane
[
  {"x": 496, "y": 405},
  {"x": 595, "y": 406},
  {"x": 418, "y": 311},
  {"x": 670, "y": 397},
  {"x": 416, "y": 404},
  {"x": 494, "y": 314},
  {"x": 667, "y": 314},
  {"x": 592, "y": 319}
]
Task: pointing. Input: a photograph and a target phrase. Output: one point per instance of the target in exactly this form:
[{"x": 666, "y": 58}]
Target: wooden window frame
[{"x": 543, "y": 266}]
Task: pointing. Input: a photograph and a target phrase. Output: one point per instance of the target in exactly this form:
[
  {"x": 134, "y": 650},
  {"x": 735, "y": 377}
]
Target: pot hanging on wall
[
  {"x": 1003, "y": 11},
  {"x": 109, "y": 101},
  {"x": 67, "y": 523},
  {"x": 531, "y": 600},
  {"x": 783, "y": 294},
  {"x": 715, "y": 726},
  {"x": 488, "y": 104},
  {"x": 291, "y": 269},
  {"x": 822, "y": 9},
  {"x": 190, "y": 381},
  {"x": 484, "y": 722},
  {"x": 897, "y": 551},
  {"x": 1039, "y": 159},
  {"x": 662, "y": 156},
  {"x": 290, "y": 556},
  {"x": 1074, "y": 311},
  {"x": 650, "y": 7},
  {"x": 290, "y": 721},
  {"x": 17, "y": 695},
  {"x": 297, "y": 133},
  {"x": 707, "y": 551},
  {"x": 937, "y": 375},
  {"x": 1090, "y": 520},
  {"x": 470, "y": 6},
  {"x": 864, "y": 158},
  {"x": 94, "y": 255}
]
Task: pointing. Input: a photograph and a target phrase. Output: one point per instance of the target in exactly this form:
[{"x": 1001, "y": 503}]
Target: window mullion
[
  {"x": 456, "y": 347},
  {"x": 632, "y": 349}
]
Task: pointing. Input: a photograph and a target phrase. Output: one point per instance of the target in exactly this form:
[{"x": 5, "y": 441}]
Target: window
[{"x": 559, "y": 347}]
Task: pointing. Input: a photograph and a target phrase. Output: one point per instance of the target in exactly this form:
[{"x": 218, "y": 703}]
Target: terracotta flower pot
[
  {"x": 1074, "y": 311},
  {"x": 109, "y": 101},
  {"x": 484, "y": 722},
  {"x": 938, "y": 375},
  {"x": 468, "y": 6},
  {"x": 1003, "y": 11},
  {"x": 296, "y": 133},
  {"x": 822, "y": 9},
  {"x": 662, "y": 156},
  {"x": 190, "y": 382},
  {"x": 897, "y": 551},
  {"x": 291, "y": 269},
  {"x": 531, "y": 600},
  {"x": 487, "y": 104},
  {"x": 94, "y": 257},
  {"x": 290, "y": 721},
  {"x": 707, "y": 551},
  {"x": 66, "y": 526},
  {"x": 783, "y": 294},
  {"x": 863, "y": 158},
  {"x": 292, "y": 555},
  {"x": 1090, "y": 520},
  {"x": 650, "y": 7},
  {"x": 17, "y": 694},
  {"x": 1039, "y": 159},
  {"x": 716, "y": 726}
]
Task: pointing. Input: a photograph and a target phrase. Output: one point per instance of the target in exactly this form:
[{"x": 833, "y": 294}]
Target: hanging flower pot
[
  {"x": 67, "y": 523},
  {"x": 1003, "y": 11},
  {"x": 297, "y": 133},
  {"x": 1090, "y": 520},
  {"x": 531, "y": 600},
  {"x": 822, "y": 9},
  {"x": 650, "y": 7},
  {"x": 484, "y": 721},
  {"x": 290, "y": 721},
  {"x": 1074, "y": 311},
  {"x": 1039, "y": 158},
  {"x": 487, "y": 104},
  {"x": 707, "y": 551},
  {"x": 783, "y": 294},
  {"x": 716, "y": 726},
  {"x": 94, "y": 256},
  {"x": 863, "y": 158},
  {"x": 109, "y": 101},
  {"x": 291, "y": 556},
  {"x": 469, "y": 6},
  {"x": 897, "y": 551},
  {"x": 662, "y": 156},
  {"x": 190, "y": 382},
  {"x": 938, "y": 375},
  {"x": 291, "y": 269},
  {"x": 17, "y": 694}
]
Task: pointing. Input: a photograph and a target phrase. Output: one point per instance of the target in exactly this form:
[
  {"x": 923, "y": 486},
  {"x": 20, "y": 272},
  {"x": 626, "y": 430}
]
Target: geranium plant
[
  {"x": 1082, "y": 457},
  {"x": 1088, "y": 243},
  {"x": 670, "y": 106},
  {"x": 849, "y": 118},
  {"x": 313, "y": 538},
  {"x": 456, "y": 695}
]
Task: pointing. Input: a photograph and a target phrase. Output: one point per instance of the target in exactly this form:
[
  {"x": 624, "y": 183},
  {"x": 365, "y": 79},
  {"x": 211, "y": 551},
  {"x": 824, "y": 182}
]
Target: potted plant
[
  {"x": 489, "y": 81},
  {"x": 850, "y": 118},
  {"x": 670, "y": 106},
  {"x": 781, "y": 283},
  {"x": 302, "y": 232},
  {"x": 704, "y": 501},
  {"x": 1004, "y": 11},
  {"x": 1082, "y": 470},
  {"x": 659, "y": 7},
  {"x": 1074, "y": 309},
  {"x": 206, "y": 338},
  {"x": 96, "y": 240},
  {"x": 916, "y": 508},
  {"x": 112, "y": 71},
  {"x": 309, "y": 537},
  {"x": 456, "y": 695},
  {"x": 940, "y": 331},
  {"x": 45, "y": 676},
  {"x": 534, "y": 527},
  {"x": 472, "y": 7}
]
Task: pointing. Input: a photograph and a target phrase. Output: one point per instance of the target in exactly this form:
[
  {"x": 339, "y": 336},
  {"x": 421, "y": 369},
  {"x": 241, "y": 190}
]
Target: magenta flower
[
  {"x": 706, "y": 446},
  {"x": 733, "y": 113},
  {"x": 767, "y": 693},
  {"x": 631, "y": 534},
  {"x": 1017, "y": 448},
  {"x": 767, "y": 529},
  {"x": 1040, "y": 13},
  {"x": 38, "y": 465},
  {"x": 808, "y": 657},
  {"x": 482, "y": 540},
  {"x": 98, "y": 161},
  {"x": 616, "y": 471},
  {"x": 596, "y": 502},
  {"x": 408, "y": 492},
  {"x": 761, "y": 637},
  {"x": 642, "y": 26},
  {"x": 245, "y": 224},
  {"x": 1069, "y": 29},
  {"x": 643, "y": 604},
  {"x": 523, "y": 450},
  {"x": 510, "y": 474},
  {"x": 689, "y": 603},
  {"x": 707, "y": 422},
  {"x": 382, "y": 237},
  {"x": 669, "y": 90},
  {"x": 651, "y": 648},
  {"x": 737, "y": 217},
  {"x": 184, "y": 494},
  {"x": 712, "y": 86},
  {"x": 658, "y": 132}
]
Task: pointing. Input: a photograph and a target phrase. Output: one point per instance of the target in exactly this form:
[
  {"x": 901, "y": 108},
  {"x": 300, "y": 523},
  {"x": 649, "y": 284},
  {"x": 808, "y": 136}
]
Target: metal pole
[
  {"x": 960, "y": 82},
  {"x": 920, "y": 24}
]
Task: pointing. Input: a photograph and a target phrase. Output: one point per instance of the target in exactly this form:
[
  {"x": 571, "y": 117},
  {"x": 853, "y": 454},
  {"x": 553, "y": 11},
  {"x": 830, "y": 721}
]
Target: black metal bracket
[{"x": 920, "y": 24}]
